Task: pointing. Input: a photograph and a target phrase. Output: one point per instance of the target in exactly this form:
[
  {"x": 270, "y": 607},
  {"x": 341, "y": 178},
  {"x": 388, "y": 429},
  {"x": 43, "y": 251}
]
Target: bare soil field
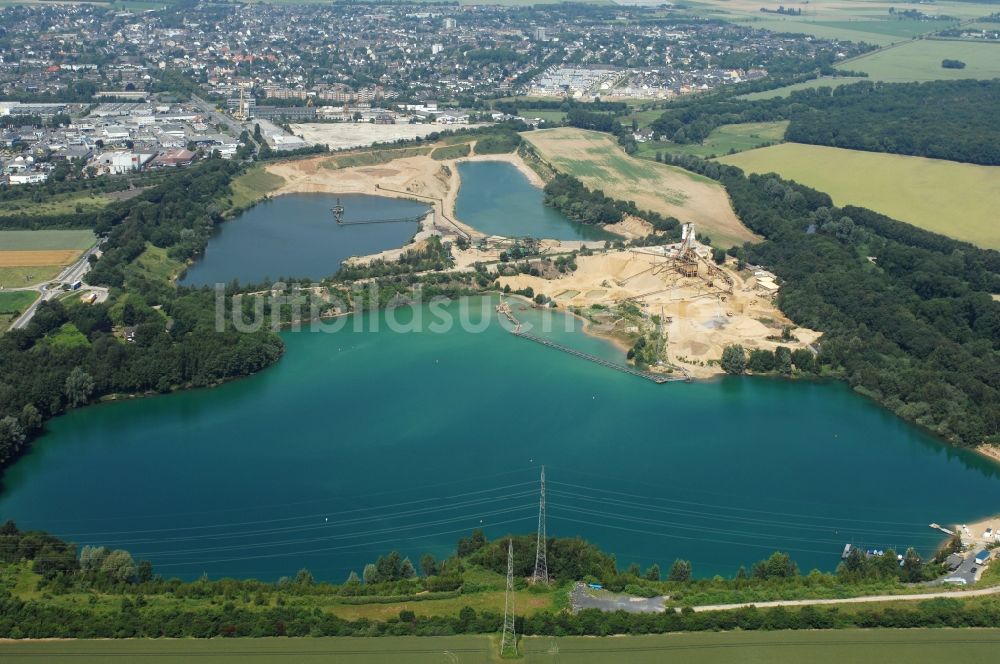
[
  {"x": 599, "y": 162},
  {"x": 701, "y": 317}
]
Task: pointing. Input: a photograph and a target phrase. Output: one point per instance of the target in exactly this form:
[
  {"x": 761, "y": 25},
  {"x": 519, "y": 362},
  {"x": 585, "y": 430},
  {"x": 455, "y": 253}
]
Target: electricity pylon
[
  {"x": 508, "y": 644},
  {"x": 541, "y": 573}
]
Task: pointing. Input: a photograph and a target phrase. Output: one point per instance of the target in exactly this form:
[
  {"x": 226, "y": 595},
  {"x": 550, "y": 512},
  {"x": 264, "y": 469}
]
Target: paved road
[
  {"x": 235, "y": 128},
  {"x": 955, "y": 594},
  {"x": 52, "y": 288},
  {"x": 582, "y": 597}
]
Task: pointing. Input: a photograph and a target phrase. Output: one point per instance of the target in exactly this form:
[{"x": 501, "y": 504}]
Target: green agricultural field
[
  {"x": 722, "y": 141},
  {"x": 18, "y": 277},
  {"x": 904, "y": 28},
  {"x": 856, "y": 31},
  {"x": 914, "y": 646},
  {"x": 12, "y": 304},
  {"x": 821, "y": 82},
  {"x": 45, "y": 240},
  {"x": 548, "y": 116},
  {"x": 955, "y": 199},
  {"x": 921, "y": 61},
  {"x": 254, "y": 185}
]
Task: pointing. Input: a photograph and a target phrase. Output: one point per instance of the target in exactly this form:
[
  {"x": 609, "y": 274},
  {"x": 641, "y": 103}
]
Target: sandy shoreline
[
  {"x": 419, "y": 177},
  {"x": 991, "y": 452}
]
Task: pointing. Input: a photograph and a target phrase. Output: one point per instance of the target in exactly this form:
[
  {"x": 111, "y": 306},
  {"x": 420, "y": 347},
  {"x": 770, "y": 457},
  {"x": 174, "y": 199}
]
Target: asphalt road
[
  {"x": 955, "y": 594},
  {"x": 235, "y": 128},
  {"x": 54, "y": 287},
  {"x": 582, "y": 597}
]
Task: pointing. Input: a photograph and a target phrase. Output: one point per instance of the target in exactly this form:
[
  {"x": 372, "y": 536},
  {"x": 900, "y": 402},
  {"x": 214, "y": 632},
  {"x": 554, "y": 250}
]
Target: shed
[{"x": 983, "y": 557}]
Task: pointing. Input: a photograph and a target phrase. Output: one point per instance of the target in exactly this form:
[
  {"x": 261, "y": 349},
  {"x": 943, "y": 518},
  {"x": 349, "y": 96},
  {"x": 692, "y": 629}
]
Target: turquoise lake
[
  {"x": 497, "y": 199},
  {"x": 365, "y": 440},
  {"x": 295, "y": 235}
]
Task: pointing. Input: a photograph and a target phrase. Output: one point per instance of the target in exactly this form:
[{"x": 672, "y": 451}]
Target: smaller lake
[
  {"x": 295, "y": 235},
  {"x": 497, "y": 199}
]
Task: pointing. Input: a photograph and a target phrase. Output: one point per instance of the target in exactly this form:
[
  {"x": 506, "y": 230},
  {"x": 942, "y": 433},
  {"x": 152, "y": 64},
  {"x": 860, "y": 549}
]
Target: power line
[
  {"x": 286, "y": 519},
  {"x": 508, "y": 643},
  {"x": 541, "y": 573}
]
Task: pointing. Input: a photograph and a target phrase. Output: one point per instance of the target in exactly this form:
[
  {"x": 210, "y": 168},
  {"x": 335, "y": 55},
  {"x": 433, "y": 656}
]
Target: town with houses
[{"x": 109, "y": 90}]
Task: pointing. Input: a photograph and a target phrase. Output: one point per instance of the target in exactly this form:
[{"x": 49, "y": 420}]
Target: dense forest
[
  {"x": 907, "y": 314},
  {"x": 72, "y": 354},
  {"x": 940, "y": 119}
]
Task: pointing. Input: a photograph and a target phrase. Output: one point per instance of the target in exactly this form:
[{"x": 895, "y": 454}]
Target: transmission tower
[
  {"x": 541, "y": 565},
  {"x": 508, "y": 644}
]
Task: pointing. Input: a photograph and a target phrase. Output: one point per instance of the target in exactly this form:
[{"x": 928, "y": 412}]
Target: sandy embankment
[
  {"x": 418, "y": 177},
  {"x": 990, "y": 451},
  {"x": 701, "y": 319}
]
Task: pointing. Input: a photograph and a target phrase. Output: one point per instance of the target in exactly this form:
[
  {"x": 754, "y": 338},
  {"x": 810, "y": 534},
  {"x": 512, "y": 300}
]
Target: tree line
[
  {"x": 907, "y": 315},
  {"x": 590, "y": 206},
  {"x": 233, "y": 607},
  {"x": 940, "y": 119}
]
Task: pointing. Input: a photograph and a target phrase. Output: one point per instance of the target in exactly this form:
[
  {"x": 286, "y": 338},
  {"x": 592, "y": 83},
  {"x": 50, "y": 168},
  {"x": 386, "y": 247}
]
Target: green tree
[
  {"x": 407, "y": 570},
  {"x": 79, "y": 387},
  {"x": 471, "y": 544},
  {"x": 31, "y": 419},
  {"x": 144, "y": 571},
  {"x": 428, "y": 565},
  {"x": 304, "y": 578},
  {"x": 91, "y": 558},
  {"x": 680, "y": 571},
  {"x": 777, "y": 566},
  {"x": 761, "y": 360},
  {"x": 653, "y": 573},
  {"x": 370, "y": 574},
  {"x": 734, "y": 359},
  {"x": 913, "y": 568},
  {"x": 118, "y": 566},
  {"x": 783, "y": 360},
  {"x": 803, "y": 360},
  {"x": 12, "y": 437}
]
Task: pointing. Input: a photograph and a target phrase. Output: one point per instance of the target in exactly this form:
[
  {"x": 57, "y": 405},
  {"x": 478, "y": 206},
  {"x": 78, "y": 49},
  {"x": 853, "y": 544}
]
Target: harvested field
[
  {"x": 37, "y": 258},
  {"x": 599, "y": 162}
]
